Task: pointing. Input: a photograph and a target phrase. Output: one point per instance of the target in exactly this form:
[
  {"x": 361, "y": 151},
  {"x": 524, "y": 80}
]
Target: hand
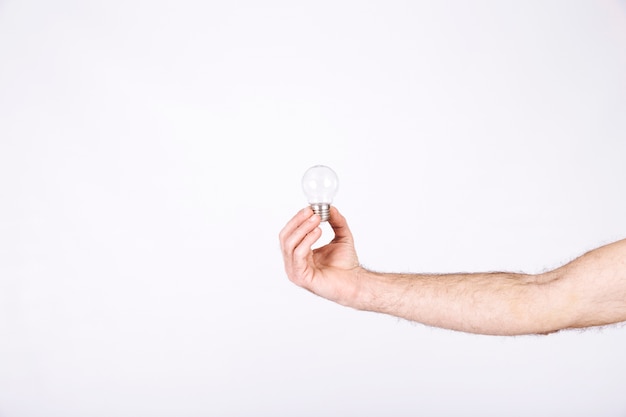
[{"x": 330, "y": 271}]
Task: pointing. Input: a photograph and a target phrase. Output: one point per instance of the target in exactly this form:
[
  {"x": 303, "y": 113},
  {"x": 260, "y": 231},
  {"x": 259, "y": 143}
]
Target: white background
[{"x": 151, "y": 151}]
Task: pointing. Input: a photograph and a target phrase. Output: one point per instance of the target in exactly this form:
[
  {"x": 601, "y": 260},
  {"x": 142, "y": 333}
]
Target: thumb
[{"x": 340, "y": 226}]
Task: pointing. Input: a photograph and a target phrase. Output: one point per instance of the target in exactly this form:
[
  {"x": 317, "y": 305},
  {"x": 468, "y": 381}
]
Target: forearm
[
  {"x": 490, "y": 303},
  {"x": 589, "y": 291}
]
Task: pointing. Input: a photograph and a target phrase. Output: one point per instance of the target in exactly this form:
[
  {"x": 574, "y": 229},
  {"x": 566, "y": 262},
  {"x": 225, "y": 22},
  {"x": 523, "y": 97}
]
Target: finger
[
  {"x": 290, "y": 242},
  {"x": 293, "y": 224},
  {"x": 303, "y": 250},
  {"x": 339, "y": 225}
]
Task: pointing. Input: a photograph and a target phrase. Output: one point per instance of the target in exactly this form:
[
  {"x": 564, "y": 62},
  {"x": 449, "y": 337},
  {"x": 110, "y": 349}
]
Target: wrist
[
  {"x": 366, "y": 289},
  {"x": 380, "y": 292},
  {"x": 352, "y": 283}
]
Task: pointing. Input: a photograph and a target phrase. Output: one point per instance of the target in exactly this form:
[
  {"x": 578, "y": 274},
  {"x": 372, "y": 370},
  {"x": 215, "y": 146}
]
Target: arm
[{"x": 589, "y": 291}]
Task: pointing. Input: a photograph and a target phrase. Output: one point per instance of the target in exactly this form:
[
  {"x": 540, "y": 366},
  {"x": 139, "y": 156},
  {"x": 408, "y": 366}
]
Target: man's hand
[{"x": 330, "y": 271}]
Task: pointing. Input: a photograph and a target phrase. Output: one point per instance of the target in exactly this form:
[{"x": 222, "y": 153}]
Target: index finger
[{"x": 295, "y": 221}]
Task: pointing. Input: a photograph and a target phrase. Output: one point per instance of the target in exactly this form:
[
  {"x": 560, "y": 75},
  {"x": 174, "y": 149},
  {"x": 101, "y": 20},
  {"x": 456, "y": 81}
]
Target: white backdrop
[{"x": 151, "y": 151}]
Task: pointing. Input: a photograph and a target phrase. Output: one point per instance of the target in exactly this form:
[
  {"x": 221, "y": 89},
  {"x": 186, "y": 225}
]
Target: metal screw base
[{"x": 322, "y": 210}]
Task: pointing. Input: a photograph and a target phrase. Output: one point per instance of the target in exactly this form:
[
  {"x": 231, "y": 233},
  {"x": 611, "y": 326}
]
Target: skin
[{"x": 589, "y": 291}]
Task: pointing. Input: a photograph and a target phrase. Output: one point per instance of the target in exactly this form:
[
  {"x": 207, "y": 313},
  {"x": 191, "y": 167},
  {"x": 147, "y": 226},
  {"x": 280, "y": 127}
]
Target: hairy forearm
[
  {"x": 590, "y": 291},
  {"x": 486, "y": 303}
]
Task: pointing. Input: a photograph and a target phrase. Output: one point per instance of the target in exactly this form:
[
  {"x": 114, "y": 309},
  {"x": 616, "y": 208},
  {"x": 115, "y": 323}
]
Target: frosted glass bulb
[{"x": 320, "y": 185}]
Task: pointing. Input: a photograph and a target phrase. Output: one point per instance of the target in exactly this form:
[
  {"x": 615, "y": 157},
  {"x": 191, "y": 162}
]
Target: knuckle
[
  {"x": 282, "y": 235},
  {"x": 301, "y": 251},
  {"x": 289, "y": 244}
]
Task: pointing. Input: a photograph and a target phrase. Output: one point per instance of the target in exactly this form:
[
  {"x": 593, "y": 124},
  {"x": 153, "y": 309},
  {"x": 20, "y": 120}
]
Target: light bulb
[{"x": 320, "y": 185}]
